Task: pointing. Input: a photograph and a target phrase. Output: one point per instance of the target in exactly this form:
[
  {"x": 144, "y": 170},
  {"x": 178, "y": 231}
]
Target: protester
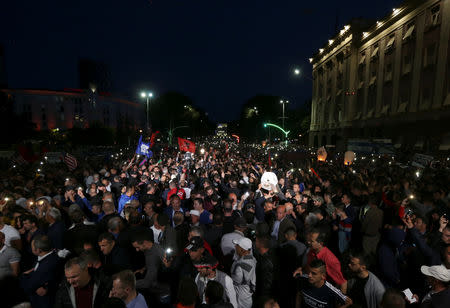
[
  {"x": 124, "y": 287},
  {"x": 243, "y": 272}
]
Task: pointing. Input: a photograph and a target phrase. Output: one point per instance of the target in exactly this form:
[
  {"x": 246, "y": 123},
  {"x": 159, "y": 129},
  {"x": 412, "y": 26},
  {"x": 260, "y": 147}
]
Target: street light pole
[
  {"x": 148, "y": 125},
  {"x": 283, "y": 117},
  {"x": 147, "y": 96}
]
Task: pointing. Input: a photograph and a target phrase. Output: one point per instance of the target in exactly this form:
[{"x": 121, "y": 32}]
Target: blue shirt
[
  {"x": 138, "y": 302},
  {"x": 124, "y": 199}
]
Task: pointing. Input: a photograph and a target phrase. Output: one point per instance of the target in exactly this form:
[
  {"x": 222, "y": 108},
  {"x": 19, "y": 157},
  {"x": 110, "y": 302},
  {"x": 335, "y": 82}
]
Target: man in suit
[
  {"x": 281, "y": 225},
  {"x": 115, "y": 258},
  {"x": 40, "y": 282},
  {"x": 175, "y": 206},
  {"x": 167, "y": 237}
]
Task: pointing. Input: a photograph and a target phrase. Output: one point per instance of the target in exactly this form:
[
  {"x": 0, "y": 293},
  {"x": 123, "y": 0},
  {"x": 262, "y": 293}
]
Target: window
[
  {"x": 426, "y": 97},
  {"x": 409, "y": 33},
  {"x": 374, "y": 53},
  {"x": 434, "y": 15},
  {"x": 429, "y": 55},
  {"x": 27, "y": 112},
  {"x": 390, "y": 43},
  {"x": 362, "y": 58},
  {"x": 388, "y": 72}
]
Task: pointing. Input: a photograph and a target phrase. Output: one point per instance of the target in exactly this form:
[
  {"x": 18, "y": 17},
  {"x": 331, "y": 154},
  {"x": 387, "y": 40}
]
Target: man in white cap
[
  {"x": 243, "y": 272},
  {"x": 438, "y": 277},
  {"x": 195, "y": 218}
]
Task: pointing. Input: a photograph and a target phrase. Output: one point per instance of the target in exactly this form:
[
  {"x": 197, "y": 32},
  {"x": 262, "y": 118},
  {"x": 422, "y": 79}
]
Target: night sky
[{"x": 219, "y": 53}]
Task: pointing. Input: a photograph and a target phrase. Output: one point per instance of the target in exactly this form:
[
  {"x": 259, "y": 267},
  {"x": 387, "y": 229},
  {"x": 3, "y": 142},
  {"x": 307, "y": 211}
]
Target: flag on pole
[
  {"x": 153, "y": 137},
  {"x": 70, "y": 161},
  {"x": 144, "y": 148},
  {"x": 186, "y": 145}
]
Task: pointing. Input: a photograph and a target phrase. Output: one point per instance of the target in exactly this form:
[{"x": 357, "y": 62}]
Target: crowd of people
[{"x": 225, "y": 228}]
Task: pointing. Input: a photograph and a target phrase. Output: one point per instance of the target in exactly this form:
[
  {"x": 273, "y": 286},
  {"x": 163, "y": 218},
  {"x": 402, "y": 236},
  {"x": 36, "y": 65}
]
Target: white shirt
[
  {"x": 156, "y": 233},
  {"x": 229, "y": 289},
  {"x": 40, "y": 258},
  {"x": 10, "y": 233},
  {"x": 187, "y": 191}
]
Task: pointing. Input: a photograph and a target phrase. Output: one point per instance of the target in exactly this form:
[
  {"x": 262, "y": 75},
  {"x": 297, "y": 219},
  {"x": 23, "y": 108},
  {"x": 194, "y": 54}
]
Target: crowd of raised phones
[{"x": 225, "y": 228}]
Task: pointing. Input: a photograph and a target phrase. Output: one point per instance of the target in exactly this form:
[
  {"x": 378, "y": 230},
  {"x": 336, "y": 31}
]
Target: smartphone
[{"x": 409, "y": 296}]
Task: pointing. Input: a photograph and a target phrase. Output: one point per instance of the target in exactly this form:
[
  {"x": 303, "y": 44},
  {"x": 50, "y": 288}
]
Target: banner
[
  {"x": 144, "y": 148},
  {"x": 186, "y": 145}
]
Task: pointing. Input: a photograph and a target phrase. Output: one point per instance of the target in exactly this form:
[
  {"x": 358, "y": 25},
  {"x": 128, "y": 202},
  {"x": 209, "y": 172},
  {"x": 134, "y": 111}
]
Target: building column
[{"x": 441, "y": 66}]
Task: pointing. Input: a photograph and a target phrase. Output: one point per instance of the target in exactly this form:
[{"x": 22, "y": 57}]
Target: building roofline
[
  {"x": 371, "y": 28},
  {"x": 69, "y": 92}
]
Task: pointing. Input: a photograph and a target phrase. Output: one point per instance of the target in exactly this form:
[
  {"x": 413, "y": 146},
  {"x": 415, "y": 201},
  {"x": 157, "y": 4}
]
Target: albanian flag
[{"x": 186, "y": 145}]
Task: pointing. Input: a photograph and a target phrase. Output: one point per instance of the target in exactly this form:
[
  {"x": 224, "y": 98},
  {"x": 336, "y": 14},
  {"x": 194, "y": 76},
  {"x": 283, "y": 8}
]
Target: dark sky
[{"x": 219, "y": 53}]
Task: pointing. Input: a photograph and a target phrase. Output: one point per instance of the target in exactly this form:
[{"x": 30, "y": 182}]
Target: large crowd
[{"x": 225, "y": 227}]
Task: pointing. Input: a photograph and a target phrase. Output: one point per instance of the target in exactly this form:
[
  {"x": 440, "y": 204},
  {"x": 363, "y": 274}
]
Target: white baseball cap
[
  {"x": 440, "y": 272},
  {"x": 195, "y": 213},
  {"x": 244, "y": 243}
]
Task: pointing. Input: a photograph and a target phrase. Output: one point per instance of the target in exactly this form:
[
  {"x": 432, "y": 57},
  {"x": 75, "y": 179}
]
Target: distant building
[
  {"x": 386, "y": 79},
  {"x": 94, "y": 75},
  {"x": 3, "y": 80},
  {"x": 222, "y": 130},
  {"x": 75, "y": 108}
]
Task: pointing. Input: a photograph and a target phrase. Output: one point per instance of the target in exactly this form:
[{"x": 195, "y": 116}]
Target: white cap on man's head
[
  {"x": 195, "y": 213},
  {"x": 244, "y": 243},
  {"x": 440, "y": 272}
]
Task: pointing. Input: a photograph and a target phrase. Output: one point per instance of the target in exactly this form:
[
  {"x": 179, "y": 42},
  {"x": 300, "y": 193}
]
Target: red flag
[
  {"x": 153, "y": 137},
  {"x": 186, "y": 145}
]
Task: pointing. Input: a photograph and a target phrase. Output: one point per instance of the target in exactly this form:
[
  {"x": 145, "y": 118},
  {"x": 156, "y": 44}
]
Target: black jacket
[
  {"x": 102, "y": 286},
  {"x": 266, "y": 267},
  {"x": 117, "y": 260},
  {"x": 46, "y": 275}
]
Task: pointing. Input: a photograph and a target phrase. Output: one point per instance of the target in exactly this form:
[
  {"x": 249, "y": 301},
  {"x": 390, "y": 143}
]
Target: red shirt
[
  {"x": 333, "y": 265},
  {"x": 84, "y": 296},
  {"x": 181, "y": 193}
]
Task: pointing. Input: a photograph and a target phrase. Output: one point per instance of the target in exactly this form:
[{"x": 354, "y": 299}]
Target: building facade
[
  {"x": 75, "y": 108},
  {"x": 386, "y": 79}
]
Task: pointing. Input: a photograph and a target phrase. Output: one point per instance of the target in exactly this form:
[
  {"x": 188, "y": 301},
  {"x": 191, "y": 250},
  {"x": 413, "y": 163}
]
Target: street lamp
[
  {"x": 147, "y": 95},
  {"x": 283, "y": 102}
]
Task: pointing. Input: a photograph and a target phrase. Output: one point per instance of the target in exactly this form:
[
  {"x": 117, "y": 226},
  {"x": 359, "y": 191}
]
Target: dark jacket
[
  {"x": 65, "y": 297},
  {"x": 78, "y": 235},
  {"x": 117, "y": 260},
  {"x": 46, "y": 275},
  {"x": 285, "y": 224},
  {"x": 169, "y": 239},
  {"x": 55, "y": 233},
  {"x": 182, "y": 232},
  {"x": 265, "y": 274},
  {"x": 389, "y": 257}
]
